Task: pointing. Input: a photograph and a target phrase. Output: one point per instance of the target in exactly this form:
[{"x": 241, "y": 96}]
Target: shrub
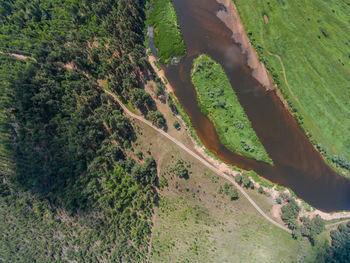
[
  {"x": 180, "y": 170},
  {"x": 261, "y": 190},
  {"x": 156, "y": 118},
  {"x": 238, "y": 179},
  {"x": 246, "y": 181},
  {"x": 234, "y": 194},
  {"x": 176, "y": 125}
]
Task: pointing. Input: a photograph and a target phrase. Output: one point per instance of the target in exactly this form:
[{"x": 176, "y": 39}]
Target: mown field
[
  {"x": 167, "y": 35},
  {"x": 310, "y": 41},
  {"x": 218, "y": 101}
]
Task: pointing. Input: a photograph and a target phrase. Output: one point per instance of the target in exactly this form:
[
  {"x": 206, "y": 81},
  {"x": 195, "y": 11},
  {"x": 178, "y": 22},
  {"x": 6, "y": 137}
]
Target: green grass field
[
  {"x": 195, "y": 223},
  {"x": 310, "y": 39},
  {"x": 167, "y": 35},
  {"x": 218, "y": 101}
]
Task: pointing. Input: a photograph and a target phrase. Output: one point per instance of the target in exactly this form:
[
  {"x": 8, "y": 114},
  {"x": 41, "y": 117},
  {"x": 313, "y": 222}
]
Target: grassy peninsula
[
  {"x": 167, "y": 35},
  {"x": 305, "y": 45},
  {"x": 218, "y": 101}
]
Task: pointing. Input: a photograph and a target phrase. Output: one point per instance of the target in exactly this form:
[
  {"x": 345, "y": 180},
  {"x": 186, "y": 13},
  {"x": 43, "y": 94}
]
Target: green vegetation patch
[
  {"x": 309, "y": 40},
  {"x": 218, "y": 101},
  {"x": 167, "y": 35},
  {"x": 258, "y": 179}
]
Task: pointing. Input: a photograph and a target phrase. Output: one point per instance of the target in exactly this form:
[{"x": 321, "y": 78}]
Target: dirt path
[
  {"x": 279, "y": 58},
  {"x": 151, "y": 237},
  {"x": 193, "y": 154},
  {"x": 160, "y": 73},
  {"x": 19, "y": 56},
  {"x": 337, "y": 223},
  {"x": 199, "y": 158}
]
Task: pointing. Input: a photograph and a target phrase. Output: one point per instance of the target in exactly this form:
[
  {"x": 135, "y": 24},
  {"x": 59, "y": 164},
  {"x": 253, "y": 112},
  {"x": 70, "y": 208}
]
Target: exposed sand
[
  {"x": 19, "y": 56},
  {"x": 266, "y": 19},
  {"x": 232, "y": 20},
  {"x": 160, "y": 73}
]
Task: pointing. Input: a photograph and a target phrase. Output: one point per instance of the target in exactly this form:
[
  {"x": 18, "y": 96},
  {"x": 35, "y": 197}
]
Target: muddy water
[{"x": 296, "y": 164}]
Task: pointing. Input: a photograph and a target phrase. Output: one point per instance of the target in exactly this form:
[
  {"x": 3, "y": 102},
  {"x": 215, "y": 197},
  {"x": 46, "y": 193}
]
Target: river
[{"x": 297, "y": 165}]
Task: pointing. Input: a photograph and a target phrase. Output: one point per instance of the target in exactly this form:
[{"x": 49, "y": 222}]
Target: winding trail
[
  {"x": 199, "y": 158},
  {"x": 276, "y": 56},
  {"x": 19, "y": 56},
  {"x": 186, "y": 149}
]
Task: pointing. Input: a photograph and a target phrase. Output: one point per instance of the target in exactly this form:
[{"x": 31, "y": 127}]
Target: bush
[
  {"x": 284, "y": 196},
  {"x": 278, "y": 200},
  {"x": 234, "y": 194},
  {"x": 176, "y": 125},
  {"x": 246, "y": 181},
  {"x": 261, "y": 190},
  {"x": 238, "y": 179},
  {"x": 156, "y": 118},
  {"x": 180, "y": 170}
]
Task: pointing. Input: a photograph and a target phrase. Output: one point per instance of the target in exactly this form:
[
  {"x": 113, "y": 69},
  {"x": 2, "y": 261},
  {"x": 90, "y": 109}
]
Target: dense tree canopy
[{"x": 63, "y": 140}]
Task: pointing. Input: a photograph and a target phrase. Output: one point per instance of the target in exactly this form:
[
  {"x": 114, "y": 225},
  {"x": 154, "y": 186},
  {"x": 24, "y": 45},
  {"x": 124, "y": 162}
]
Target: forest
[
  {"x": 65, "y": 169},
  {"x": 71, "y": 187}
]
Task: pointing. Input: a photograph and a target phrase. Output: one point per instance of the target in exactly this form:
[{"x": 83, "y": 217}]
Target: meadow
[
  {"x": 167, "y": 35},
  {"x": 196, "y": 222},
  {"x": 218, "y": 101},
  {"x": 305, "y": 45}
]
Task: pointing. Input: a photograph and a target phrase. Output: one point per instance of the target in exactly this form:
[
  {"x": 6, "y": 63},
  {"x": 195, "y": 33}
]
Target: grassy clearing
[
  {"x": 311, "y": 38},
  {"x": 218, "y": 101},
  {"x": 167, "y": 35},
  {"x": 198, "y": 222},
  {"x": 195, "y": 223},
  {"x": 258, "y": 179}
]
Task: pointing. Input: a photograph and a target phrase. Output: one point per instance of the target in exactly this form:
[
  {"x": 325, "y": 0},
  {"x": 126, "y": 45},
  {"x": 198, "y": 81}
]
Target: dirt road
[{"x": 199, "y": 158}]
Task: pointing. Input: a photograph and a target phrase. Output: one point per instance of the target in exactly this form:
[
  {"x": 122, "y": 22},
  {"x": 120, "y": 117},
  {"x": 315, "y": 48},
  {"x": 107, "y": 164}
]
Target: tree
[
  {"x": 141, "y": 99},
  {"x": 246, "y": 181},
  {"x": 297, "y": 234},
  {"x": 339, "y": 251},
  {"x": 176, "y": 125},
  {"x": 234, "y": 194},
  {"x": 284, "y": 196},
  {"x": 290, "y": 213},
  {"x": 261, "y": 190},
  {"x": 156, "y": 118},
  {"x": 238, "y": 179},
  {"x": 180, "y": 169}
]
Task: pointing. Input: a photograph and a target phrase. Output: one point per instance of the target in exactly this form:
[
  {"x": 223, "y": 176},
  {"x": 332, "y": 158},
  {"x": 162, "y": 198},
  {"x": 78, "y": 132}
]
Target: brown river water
[{"x": 297, "y": 164}]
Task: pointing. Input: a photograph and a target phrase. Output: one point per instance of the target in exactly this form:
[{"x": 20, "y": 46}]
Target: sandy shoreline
[
  {"x": 232, "y": 20},
  {"x": 276, "y": 208}
]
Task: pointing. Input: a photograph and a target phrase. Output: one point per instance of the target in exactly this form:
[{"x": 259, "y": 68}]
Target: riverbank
[
  {"x": 230, "y": 17},
  {"x": 166, "y": 32},
  {"x": 307, "y": 56},
  {"x": 273, "y": 192}
]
